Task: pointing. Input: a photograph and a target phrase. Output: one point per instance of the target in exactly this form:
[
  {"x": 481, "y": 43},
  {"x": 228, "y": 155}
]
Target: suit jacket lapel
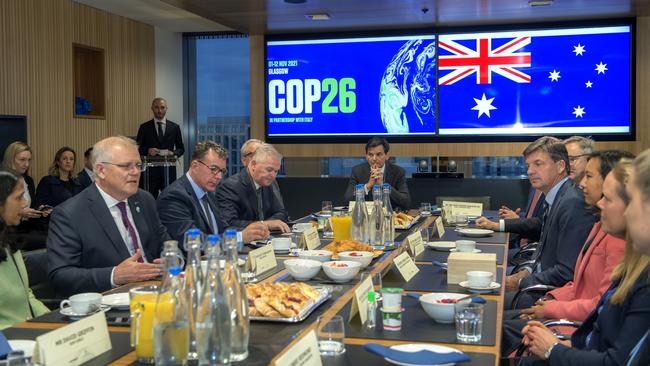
[
  {"x": 140, "y": 223},
  {"x": 103, "y": 215},
  {"x": 598, "y": 236},
  {"x": 252, "y": 196}
]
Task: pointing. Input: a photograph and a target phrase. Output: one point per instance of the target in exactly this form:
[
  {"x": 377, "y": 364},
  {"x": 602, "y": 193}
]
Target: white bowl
[
  {"x": 317, "y": 255},
  {"x": 440, "y": 312},
  {"x": 302, "y": 269},
  {"x": 357, "y": 256},
  {"x": 479, "y": 279},
  {"x": 341, "y": 271}
]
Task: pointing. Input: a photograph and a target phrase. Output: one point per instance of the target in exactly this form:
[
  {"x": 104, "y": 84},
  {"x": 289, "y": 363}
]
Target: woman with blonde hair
[
  {"x": 622, "y": 315},
  {"x": 61, "y": 183},
  {"x": 18, "y": 157}
]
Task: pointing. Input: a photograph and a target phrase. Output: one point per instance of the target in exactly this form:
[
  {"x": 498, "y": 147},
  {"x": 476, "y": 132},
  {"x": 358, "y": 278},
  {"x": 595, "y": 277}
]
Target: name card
[
  {"x": 75, "y": 343},
  {"x": 455, "y": 208},
  {"x": 262, "y": 259},
  {"x": 416, "y": 244},
  {"x": 304, "y": 353},
  {"x": 369, "y": 206},
  {"x": 406, "y": 266},
  {"x": 360, "y": 300},
  {"x": 311, "y": 238},
  {"x": 440, "y": 227}
]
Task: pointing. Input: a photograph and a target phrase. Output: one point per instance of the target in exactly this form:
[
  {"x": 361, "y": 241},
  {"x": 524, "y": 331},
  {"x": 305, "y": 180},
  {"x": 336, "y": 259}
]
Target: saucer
[
  {"x": 493, "y": 286},
  {"x": 281, "y": 251},
  {"x": 444, "y": 246},
  {"x": 67, "y": 311},
  {"x": 475, "y": 233},
  {"x": 118, "y": 301},
  {"x": 476, "y": 250}
]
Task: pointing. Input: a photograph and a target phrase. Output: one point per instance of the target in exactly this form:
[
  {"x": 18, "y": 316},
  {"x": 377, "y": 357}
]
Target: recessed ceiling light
[
  {"x": 295, "y": 1},
  {"x": 319, "y": 16},
  {"x": 540, "y": 2}
]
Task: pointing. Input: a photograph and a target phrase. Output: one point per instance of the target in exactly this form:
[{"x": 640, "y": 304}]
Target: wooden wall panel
[
  {"x": 454, "y": 149},
  {"x": 36, "y": 38}
]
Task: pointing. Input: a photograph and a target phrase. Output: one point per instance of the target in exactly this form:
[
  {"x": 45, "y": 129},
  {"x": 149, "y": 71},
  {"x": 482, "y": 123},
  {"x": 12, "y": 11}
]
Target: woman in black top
[{"x": 60, "y": 184}]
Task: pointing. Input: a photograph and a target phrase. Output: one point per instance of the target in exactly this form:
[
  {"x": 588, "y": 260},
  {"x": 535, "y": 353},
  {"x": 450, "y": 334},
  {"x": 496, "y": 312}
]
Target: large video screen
[{"x": 490, "y": 85}]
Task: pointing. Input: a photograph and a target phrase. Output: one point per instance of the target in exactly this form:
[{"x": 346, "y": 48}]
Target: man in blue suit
[
  {"x": 109, "y": 234},
  {"x": 189, "y": 202},
  {"x": 564, "y": 224},
  {"x": 86, "y": 176}
]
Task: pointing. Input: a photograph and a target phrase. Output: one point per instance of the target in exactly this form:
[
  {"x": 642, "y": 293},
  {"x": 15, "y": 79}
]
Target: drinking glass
[
  {"x": 326, "y": 208},
  {"x": 461, "y": 220},
  {"x": 142, "y": 302},
  {"x": 469, "y": 321},
  {"x": 425, "y": 232},
  {"x": 324, "y": 219},
  {"x": 341, "y": 225},
  {"x": 331, "y": 335},
  {"x": 425, "y": 209}
]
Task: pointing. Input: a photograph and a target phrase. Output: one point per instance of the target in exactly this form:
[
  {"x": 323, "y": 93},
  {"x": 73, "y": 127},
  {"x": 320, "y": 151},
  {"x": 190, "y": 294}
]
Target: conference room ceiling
[{"x": 280, "y": 16}]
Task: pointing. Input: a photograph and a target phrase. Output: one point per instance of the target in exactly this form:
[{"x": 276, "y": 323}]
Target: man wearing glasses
[
  {"x": 109, "y": 234},
  {"x": 579, "y": 149},
  {"x": 190, "y": 202},
  {"x": 248, "y": 196}
]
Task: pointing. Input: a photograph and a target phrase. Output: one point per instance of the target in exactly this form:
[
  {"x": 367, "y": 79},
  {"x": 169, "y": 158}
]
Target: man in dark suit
[
  {"x": 189, "y": 202},
  {"x": 378, "y": 170},
  {"x": 86, "y": 176},
  {"x": 565, "y": 222},
  {"x": 160, "y": 137},
  {"x": 109, "y": 234},
  {"x": 249, "y": 196}
]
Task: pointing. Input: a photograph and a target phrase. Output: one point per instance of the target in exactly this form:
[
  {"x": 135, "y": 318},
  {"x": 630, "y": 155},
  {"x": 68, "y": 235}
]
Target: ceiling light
[
  {"x": 295, "y": 1},
  {"x": 319, "y": 16},
  {"x": 540, "y": 2}
]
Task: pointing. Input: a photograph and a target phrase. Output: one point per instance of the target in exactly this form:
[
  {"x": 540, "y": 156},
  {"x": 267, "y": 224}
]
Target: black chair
[{"x": 36, "y": 264}]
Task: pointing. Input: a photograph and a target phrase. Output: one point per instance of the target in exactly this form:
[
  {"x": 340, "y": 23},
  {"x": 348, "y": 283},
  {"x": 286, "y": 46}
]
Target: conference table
[{"x": 269, "y": 341}]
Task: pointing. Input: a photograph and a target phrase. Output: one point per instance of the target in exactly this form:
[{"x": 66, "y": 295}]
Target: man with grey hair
[
  {"x": 563, "y": 226},
  {"x": 248, "y": 149},
  {"x": 579, "y": 149},
  {"x": 190, "y": 202},
  {"x": 109, "y": 234},
  {"x": 248, "y": 196}
]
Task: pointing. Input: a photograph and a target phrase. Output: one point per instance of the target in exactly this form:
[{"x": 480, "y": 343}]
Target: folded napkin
[
  {"x": 440, "y": 264},
  {"x": 423, "y": 357}
]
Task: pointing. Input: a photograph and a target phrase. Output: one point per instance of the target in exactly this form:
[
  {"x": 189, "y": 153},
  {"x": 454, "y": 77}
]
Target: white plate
[
  {"x": 475, "y": 233},
  {"x": 476, "y": 250},
  {"x": 25, "y": 345},
  {"x": 119, "y": 301},
  {"x": 419, "y": 347},
  {"x": 67, "y": 311},
  {"x": 493, "y": 286},
  {"x": 443, "y": 246}
]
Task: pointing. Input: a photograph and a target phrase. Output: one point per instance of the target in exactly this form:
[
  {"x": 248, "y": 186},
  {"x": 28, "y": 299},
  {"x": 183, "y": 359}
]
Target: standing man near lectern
[{"x": 159, "y": 137}]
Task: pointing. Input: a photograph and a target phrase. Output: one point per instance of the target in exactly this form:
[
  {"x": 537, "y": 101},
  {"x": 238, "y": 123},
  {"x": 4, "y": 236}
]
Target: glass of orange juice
[
  {"x": 143, "y": 306},
  {"x": 341, "y": 225}
]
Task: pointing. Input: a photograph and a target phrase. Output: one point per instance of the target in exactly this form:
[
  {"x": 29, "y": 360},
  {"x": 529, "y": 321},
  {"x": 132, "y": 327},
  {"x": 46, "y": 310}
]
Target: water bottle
[
  {"x": 213, "y": 325},
  {"x": 171, "y": 255},
  {"x": 360, "y": 216},
  {"x": 192, "y": 284},
  {"x": 170, "y": 323},
  {"x": 389, "y": 218},
  {"x": 371, "y": 315},
  {"x": 376, "y": 222},
  {"x": 238, "y": 301}
]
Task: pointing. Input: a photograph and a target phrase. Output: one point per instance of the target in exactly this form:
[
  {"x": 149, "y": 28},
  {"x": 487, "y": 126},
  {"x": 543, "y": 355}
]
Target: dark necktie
[
  {"x": 538, "y": 255},
  {"x": 160, "y": 131},
  {"x": 260, "y": 207},
  {"x": 206, "y": 207},
  {"x": 129, "y": 228}
]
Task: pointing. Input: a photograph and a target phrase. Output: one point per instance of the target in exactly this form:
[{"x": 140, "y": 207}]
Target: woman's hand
[
  {"x": 30, "y": 213},
  {"x": 538, "y": 338},
  {"x": 533, "y": 312}
]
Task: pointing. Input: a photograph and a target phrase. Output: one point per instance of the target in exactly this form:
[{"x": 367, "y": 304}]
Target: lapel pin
[{"x": 137, "y": 209}]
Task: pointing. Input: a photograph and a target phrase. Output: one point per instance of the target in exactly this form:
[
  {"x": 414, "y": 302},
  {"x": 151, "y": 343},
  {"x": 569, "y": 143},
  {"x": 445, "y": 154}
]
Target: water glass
[
  {"x": 331, "y": 335},
  {"x": 469, "y": 321},
  {"x": 425, "y": 209},
  {"x": 461, "y": 220},
  {"x": 425, "y": 232},
  {"x": 326, "y": 208}
]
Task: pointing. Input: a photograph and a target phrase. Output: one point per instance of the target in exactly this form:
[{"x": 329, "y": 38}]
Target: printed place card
[
  {"x": 360, "y": 300},
  {"x": 262, "y": 259},
  {"x": 75, "y": 343},
  {"x": 304, "y": 353},
  {"x": 406, "y": 266},
  {"x": 311, "y": 238},
  {"x": 416, "y": 244},
  {"x": 440, "y": 227},
  {"x": 463, "y": 208}
]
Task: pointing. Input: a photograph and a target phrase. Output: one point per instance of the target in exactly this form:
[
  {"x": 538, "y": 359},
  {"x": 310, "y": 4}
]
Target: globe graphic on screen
[{"x": 407, "y": 91}]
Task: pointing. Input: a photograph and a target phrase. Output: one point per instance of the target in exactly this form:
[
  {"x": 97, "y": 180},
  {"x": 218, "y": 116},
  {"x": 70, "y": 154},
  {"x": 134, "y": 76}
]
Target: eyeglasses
[
  {"x": 573, "y": 158},
  {"x": 128, "y": 166},
  {"x": 215, "y": 169}
]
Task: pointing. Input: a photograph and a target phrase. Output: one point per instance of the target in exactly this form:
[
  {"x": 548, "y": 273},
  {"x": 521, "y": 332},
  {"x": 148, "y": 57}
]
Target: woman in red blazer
[{"x": 602, "y": 251}]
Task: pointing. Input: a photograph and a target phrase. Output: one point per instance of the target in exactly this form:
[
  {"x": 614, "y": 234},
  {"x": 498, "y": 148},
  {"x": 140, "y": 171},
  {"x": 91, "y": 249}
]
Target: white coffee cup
[
  {"x": 300, "y": 227},
  {"x": 281, "y": 243},
  {"x": 479, "y": 279},
  {"x": 465, "y": 245},
  {"x": 85, "y": 303}
]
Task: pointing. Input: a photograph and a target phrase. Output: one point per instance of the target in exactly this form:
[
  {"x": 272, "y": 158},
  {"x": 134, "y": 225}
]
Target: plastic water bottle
[
  {"x": 360, "y": 216},
  {"x": 238, "y": 301},
  {"x": 213, "y": 325},
  {"x": 170, "y": 323},
  {"x": 193, "y": 284},
  {"x": 377, "y": 219},
  {"x": 171, "y": 256},
  {"x": 389, "y": 218}
]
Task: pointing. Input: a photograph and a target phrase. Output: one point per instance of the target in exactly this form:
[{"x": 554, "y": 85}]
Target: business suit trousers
[{"x": 157, "y": 179}]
